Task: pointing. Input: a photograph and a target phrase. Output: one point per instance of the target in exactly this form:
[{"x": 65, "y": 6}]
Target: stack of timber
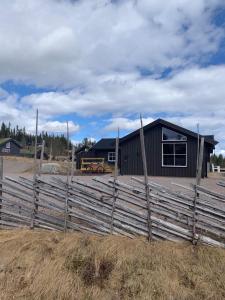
[
  {"x": 95, "y": 165},
  {"x": 109, "y": 206}
]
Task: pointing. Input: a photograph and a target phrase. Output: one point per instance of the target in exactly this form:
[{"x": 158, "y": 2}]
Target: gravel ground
[
  {"x": 18, "y": 166},
  {"x": 209, "y": 183}
]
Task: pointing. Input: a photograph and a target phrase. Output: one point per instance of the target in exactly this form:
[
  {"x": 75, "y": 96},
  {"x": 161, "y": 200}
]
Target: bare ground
[{"x": 18, "y": 166}]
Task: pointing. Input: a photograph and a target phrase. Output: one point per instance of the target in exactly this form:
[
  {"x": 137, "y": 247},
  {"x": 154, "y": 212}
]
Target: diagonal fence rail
[{"x": 88, "y": 207}]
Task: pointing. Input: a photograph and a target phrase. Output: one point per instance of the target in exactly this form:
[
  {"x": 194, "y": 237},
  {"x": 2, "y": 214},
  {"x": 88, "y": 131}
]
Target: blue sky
[{"x": 100, "y": 63}]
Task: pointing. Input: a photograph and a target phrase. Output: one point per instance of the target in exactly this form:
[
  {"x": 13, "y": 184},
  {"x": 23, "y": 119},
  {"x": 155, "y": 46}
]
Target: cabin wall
[
  {"x": 13, "y": 150},
  {"x": 131, "y": 161}
]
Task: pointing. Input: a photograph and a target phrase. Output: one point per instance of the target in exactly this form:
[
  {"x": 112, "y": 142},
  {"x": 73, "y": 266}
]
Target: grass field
[{"x": 47, "y": 265}]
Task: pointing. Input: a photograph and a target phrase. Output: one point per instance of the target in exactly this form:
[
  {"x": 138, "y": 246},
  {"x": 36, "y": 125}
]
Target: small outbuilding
[{"x": 9, "y": 146}]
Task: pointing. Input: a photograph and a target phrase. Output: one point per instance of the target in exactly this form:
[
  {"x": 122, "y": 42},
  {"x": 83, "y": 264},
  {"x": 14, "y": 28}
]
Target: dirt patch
[{"x": 15, "y": 166}]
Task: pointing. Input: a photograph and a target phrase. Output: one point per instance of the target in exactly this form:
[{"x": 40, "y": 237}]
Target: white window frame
[
  {"x": 111, "y": 153},
  {"x": 174, "y": 154},
  {"x": 8, "y": 145},
  {"x": 173, "y": 140}
]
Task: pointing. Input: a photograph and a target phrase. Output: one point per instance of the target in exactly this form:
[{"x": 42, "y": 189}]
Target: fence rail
[{"x": 55, "y": 204}]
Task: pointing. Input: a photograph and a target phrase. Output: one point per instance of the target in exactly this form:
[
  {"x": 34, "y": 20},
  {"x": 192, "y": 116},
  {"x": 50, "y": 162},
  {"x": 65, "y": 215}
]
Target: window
[
  {"x": 170, "y": 135},
  {"x": 7, "y": 145},
  {"x": 174, "y": 155},
  {"x": 111, "y": 156}
]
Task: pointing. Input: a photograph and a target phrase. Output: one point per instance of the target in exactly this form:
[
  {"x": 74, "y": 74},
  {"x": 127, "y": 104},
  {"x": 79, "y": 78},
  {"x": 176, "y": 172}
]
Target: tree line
[
  {"x": 56, "y": 144},
  {"x": 218, "y": 160}
]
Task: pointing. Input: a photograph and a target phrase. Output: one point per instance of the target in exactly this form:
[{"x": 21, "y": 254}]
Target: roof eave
[{"x": 168, "y": 124}]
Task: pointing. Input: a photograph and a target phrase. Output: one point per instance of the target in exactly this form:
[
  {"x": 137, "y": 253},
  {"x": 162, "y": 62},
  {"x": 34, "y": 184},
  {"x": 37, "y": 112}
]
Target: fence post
[
  {"x": 197, "y": 162},
  {"x": 1, "y": 178},
  {"x": 147, "y": 191},
  {"x": 72, "y": 163},
  {"x": 67, "y": 182},
  {"x": 42, "y": 157},
  {"x": 35, "y": 192},
  {"x": 115, "y": 190},
  {"x": 198, "y": 181},
  {"x": 50, "y": 155}
]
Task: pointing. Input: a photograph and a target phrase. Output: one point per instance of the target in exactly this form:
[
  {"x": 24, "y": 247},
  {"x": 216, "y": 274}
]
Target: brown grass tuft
[{"x": 48, "y": 265}]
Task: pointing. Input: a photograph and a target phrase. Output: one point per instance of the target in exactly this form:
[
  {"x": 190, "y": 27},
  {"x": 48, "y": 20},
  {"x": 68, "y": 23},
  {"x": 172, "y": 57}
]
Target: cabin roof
[
  {"x": 81, "y": 149},
  {"x": 6, "y": 140},
  {"x": 105, "y": 144},
  {"x": 208, "y": 138}
]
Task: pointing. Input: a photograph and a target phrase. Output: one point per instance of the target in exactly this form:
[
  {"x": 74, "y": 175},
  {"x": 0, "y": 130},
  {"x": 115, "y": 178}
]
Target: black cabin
[
  {"x": 170, "y": 150},
  {"x": 9, "y": 146}
]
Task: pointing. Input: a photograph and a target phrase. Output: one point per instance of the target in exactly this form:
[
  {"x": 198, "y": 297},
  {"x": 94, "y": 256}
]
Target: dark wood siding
[
  {"x": 131, "y": 161},
  {"x": 14, "y": 149}
]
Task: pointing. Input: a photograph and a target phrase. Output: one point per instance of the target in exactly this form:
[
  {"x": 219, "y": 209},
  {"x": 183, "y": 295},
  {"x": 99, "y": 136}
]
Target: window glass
[
  {"x": 170, "y": 135},
  {"x": 168, "y": 148},
  {"x": 180, "y": 148},
  {"x": 174, "y": 154},
  {"x": 168, "y": 160},
  {"x": 180, "y": 160},
  {"x": 111, "y": 156}
]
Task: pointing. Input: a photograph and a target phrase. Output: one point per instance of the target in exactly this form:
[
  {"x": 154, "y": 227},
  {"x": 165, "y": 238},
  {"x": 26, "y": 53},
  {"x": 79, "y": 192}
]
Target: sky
[{"x": 100, "y": 63}]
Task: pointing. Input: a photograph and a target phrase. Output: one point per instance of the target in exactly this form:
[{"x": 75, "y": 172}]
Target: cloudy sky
[{"x": 100, "y": 63}]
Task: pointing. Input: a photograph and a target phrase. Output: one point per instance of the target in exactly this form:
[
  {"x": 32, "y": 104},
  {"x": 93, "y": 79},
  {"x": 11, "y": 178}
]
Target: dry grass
[
  {"x": 18, "y": 158},
  {"x": 46, "y": 265}
]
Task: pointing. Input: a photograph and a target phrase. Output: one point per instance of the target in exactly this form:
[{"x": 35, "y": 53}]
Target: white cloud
[
  {"x": 194, "y": 95},
  {"x": 92, "y": 53},
  {"x": 59, "y": 127},
  {"x": 221, "y": 152},
  {"x": 12, "y": 111},
  {"x": 188, "y": 92},
  {"x": 126, "y": 124},
  {"x": 68, "y": 43}
]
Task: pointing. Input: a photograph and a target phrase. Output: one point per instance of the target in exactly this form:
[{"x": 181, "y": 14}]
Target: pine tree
[{"x": 59, "y": 142}]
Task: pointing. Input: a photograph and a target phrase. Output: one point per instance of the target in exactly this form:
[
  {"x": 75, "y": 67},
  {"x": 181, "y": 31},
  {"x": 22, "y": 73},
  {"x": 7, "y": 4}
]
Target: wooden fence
[{"x": 106, "y": 205}]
